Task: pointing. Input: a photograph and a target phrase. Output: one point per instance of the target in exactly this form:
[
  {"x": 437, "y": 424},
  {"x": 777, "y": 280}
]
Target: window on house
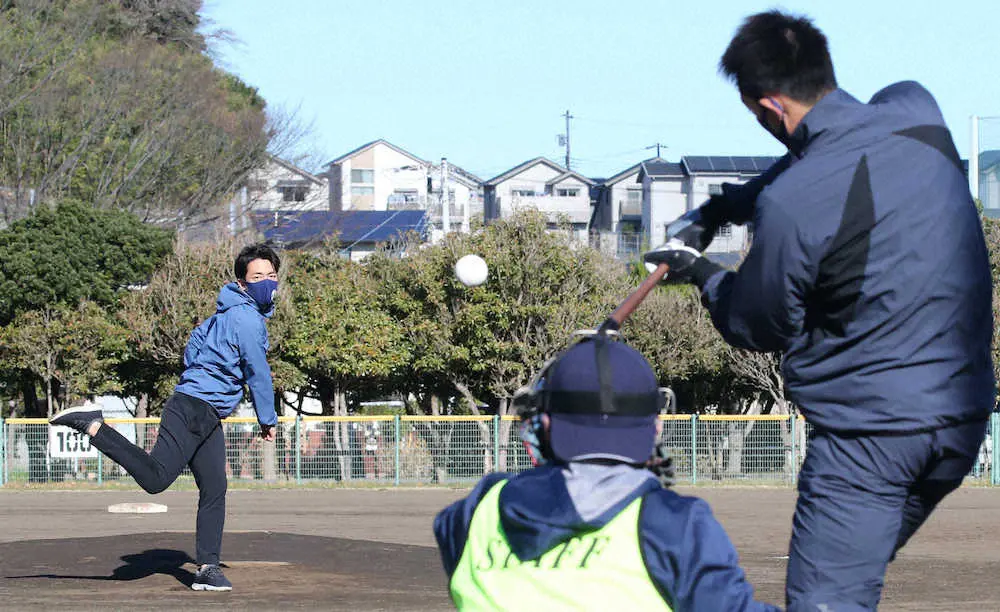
[
  {"x": 567, "y": 193},
  {"x": 293, "y": 194},
  {"x": 634, "y": 196},
  {"x": 362, "y": 176},
  {"x": 715, "y": 189},
  {"x": 725, "y": 231},
  {"x": 522, "y": 193},
  {"x": 362, "y": 191}
]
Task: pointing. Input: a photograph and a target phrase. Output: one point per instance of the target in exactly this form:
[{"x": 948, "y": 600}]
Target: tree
[
  {"x": 673, "y": 331},
  {"x": 57, "y": 258},
  {"x": 72, "y": 253},
  {"x": 991, "y": 230},
  {"x": 338, "y": 337},
  {"x": 486, "y": 342},
  {"x": 73, "y": 350},
  {"x": 160, "y": 318},
  {"x": 123, "y": 111}
]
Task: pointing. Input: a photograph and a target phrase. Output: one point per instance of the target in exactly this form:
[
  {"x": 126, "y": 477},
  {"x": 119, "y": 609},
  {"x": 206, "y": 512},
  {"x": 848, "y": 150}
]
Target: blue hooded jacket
[
  {"x": 687, "y": 553},
  {"x": 868, "y": 269},
  {"x": 228, "y": 350}
]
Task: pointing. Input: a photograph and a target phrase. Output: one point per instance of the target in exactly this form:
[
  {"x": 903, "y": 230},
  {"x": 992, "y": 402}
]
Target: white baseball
[{"x": 471, "y": 270}]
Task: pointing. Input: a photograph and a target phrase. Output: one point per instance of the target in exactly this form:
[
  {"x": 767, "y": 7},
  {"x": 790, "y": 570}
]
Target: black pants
[
  {"x": 190, "y": 434},
  {"x": 861, "y": 498}
]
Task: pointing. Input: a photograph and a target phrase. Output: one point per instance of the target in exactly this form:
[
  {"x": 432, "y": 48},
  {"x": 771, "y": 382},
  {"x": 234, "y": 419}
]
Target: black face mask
[{"x": 780, "y": 133}]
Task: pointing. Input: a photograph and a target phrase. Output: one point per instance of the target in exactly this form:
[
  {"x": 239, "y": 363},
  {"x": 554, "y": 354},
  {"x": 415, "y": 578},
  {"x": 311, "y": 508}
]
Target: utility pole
[
  {"x": 568, "y": 117},
  {"x": 445, "y": 221},
  {"x": 657, "y": 147}
]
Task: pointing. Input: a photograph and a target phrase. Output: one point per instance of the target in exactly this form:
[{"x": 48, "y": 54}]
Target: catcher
[{"x": 593, "y": 525}]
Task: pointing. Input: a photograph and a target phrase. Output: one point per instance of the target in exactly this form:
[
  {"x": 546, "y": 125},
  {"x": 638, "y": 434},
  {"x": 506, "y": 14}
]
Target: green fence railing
[{"x": 412, "y": 450}]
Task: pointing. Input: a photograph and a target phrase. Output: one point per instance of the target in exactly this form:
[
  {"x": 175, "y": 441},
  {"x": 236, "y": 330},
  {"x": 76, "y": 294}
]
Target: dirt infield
[{"x": 339, "y": 549}]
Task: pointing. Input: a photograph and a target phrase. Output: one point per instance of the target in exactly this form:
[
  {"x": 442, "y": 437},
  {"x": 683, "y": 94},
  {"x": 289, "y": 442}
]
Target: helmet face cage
[{"x": 528, "y": 400}]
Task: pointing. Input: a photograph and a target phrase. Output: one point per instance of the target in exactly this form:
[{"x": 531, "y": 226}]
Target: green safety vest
[{"x": 599, "y": 570}]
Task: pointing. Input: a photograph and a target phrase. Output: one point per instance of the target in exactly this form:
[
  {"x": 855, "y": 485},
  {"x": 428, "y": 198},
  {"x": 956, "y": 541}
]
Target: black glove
[
  {"x": 686, "y": 264},
  {"x": 696, "y": 228},
  {"x": 661, "y": 464},
  {"x": 692, "y": 230}
]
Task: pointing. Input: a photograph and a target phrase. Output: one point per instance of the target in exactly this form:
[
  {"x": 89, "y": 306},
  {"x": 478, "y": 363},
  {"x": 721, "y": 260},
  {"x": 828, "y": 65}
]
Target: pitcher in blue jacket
[
  {"x": 225, "y": 352},
  {"x": 869, "y": 272},
  {"x": 591, "y": 527}
]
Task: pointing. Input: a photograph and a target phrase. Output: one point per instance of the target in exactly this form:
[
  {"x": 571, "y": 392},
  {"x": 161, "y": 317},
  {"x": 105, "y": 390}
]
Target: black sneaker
[
  {"x": 211, "y": 578},
  {"x": 79, "y": 419}
]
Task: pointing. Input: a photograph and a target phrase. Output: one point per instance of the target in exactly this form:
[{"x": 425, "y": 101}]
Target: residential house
[
  {"x": 561, "y": 194},
  {"x": 989, "y": 182},
  {"x": 670, "y": 190},
  {"x": 381, "y": 176},
  {"x": 358, "y": 233},
  {"x": 616, "y": 220},
  {"x": 280, "y": 184}
]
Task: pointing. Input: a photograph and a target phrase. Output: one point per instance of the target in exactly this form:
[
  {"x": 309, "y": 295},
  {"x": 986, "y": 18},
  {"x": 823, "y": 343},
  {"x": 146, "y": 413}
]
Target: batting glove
[{"x": 686, "y": 264}]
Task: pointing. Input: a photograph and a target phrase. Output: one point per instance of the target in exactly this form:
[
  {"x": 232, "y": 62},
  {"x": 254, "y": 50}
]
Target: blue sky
[{"x": 485, "y": 82}]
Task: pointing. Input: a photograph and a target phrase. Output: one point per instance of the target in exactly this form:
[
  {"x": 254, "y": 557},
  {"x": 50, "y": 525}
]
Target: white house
[
  {"x": 542, "y": 184},
  {"x": 664, "y": 197},
  {"x": 381, "y": 176},
  {"x": 669, "y": 190},
  {"x": 282, "y": 185},
  {"x": 616, "y": 221}
]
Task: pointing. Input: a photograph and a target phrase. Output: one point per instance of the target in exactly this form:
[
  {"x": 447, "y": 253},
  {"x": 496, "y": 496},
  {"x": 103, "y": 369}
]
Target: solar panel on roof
[
  {"x": 698, "y": 163},
  {"x": 763, "y": 163},
  {"x": 349, "y": 226}
]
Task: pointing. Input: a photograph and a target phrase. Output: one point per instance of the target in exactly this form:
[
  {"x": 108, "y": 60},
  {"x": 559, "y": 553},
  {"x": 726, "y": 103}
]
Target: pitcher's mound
[{"x": 269, "y": 571}]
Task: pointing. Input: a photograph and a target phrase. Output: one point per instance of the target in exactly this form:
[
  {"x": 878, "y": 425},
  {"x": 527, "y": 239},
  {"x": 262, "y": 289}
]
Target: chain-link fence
[{"x": 409, "y": 450}]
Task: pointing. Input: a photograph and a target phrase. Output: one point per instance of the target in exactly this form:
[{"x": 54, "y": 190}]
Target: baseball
[{"x": 471, "y": 270}]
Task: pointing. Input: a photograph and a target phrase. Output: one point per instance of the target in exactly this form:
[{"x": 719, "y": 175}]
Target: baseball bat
[{"x": 615, "y": 320}]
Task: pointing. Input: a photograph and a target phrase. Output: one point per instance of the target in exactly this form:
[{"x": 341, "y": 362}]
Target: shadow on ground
[{"x": 137, "y": 567}]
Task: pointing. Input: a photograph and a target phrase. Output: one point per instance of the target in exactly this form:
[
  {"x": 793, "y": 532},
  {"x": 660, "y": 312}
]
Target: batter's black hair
[{"x": 774, "y": 52}]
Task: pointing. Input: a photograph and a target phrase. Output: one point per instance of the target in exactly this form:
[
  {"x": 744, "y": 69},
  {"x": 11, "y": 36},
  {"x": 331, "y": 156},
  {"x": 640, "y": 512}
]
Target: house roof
[
  {"x": 296, "y": 229},
  {"x": 496, "y": 180},
  {"x": 463, "y": 175},
  {"x": 570, "y": 174},
  {"x": 371, "y": 144},
  {"x": 658, "y": 169},
  {"x": 726, "y": 164},
  {"x": 309, "y": 176},
  {"x": 624, "y": 174}
]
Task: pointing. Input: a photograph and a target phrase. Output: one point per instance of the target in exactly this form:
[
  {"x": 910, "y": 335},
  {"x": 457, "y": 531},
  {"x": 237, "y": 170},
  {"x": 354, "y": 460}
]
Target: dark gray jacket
[{"x": 868, "y": 269}]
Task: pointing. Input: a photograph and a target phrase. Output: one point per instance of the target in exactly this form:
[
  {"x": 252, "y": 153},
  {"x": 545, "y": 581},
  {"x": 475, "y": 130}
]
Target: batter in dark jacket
[{"x": 869, "y": 272}]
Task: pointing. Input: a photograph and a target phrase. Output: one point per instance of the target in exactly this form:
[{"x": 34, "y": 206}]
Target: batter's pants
[{"x": 861, "y": 497}]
